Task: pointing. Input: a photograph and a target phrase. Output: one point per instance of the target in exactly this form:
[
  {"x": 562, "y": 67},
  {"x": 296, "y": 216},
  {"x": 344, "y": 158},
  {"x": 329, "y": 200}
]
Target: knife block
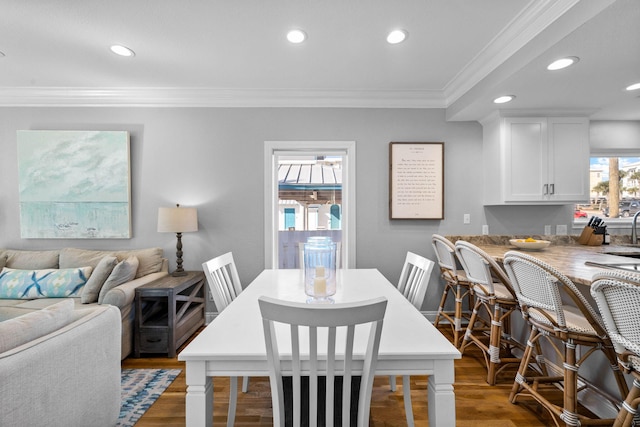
[{"x": 590, "y": 238}]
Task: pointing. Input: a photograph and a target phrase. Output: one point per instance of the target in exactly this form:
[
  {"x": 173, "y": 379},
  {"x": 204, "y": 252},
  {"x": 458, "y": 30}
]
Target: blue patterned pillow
[{"x": 48, "y": 283}]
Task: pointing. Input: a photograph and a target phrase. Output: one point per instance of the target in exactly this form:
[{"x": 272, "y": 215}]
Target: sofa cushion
[
  {"x": 3, "y": 261},
  {"x": 123, "y": 272},
  {"x": 31, "y": 260},
  {"x": 150, "y": 260},
  {"x": 99, "y": 275},
  {"x": 30, "y": 326},
  {"x": 45, "y": 283}
]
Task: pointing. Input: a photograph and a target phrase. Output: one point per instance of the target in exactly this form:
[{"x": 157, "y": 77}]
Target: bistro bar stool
[
  {"x": 495, "y": 297},
  {"x": 456, "y": 285},
  {"x": 539, "y": 288},
  {"x": 618, "y": 298}
]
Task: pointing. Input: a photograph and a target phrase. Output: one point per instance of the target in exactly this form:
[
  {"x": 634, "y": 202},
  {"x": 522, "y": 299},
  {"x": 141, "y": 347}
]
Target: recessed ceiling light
[
  {"x": 503, "y": 99},
  {"x": 396, "y": 36},
  {"x": 634, "y": 86},
  {"x": 561, "y": 63},
  {"x": 122, "y": 50},
  {"x": 296, "y": 36}
]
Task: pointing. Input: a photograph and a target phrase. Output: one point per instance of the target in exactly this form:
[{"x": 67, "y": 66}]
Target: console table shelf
[{"x": 168, "y": 311}]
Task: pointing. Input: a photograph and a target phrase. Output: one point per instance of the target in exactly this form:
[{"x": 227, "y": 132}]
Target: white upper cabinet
[{"x": 536, "y": 160}]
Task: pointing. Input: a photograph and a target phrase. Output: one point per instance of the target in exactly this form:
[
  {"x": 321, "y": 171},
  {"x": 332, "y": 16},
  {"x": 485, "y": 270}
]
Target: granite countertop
[{"x": 564, "y": 253}]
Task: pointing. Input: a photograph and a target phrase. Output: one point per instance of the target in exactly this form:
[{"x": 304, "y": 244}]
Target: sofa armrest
[
  {"x": 68, "y": 376},
  {"x": 122, "y": 296}
]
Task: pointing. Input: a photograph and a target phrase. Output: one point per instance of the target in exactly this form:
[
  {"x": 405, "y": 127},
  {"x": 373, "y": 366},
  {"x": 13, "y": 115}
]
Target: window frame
[{"x": 612, "y": 223}]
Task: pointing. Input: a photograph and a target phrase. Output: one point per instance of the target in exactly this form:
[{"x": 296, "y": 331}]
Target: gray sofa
[
  {"x": 112, "y": 277},
  {"x": 68, "y": 376}
]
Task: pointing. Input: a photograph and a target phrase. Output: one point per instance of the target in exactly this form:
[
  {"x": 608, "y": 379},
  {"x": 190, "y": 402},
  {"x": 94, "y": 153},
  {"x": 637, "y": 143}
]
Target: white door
[{"x": 274, "y": 149}]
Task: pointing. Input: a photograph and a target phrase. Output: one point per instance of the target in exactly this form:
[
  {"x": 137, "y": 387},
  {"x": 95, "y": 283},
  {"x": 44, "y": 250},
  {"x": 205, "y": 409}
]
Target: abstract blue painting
[{"x": 74, "y": 184}]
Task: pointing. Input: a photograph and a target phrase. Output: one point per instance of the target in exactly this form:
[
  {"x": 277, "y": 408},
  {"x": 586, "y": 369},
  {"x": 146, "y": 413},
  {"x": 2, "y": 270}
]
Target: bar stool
[
  {"x": 618, "y": 297},
  {"x": 455, "y": 285},
  {"x": 539, "y": 288},
  {"x": 495, "y": 297}
]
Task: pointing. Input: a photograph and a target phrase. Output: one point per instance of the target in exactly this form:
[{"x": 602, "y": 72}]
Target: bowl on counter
[{"x": 530, "y": 244}]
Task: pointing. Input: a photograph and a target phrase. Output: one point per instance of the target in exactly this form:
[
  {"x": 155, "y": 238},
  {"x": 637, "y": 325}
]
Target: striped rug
[{"x": 140, "y": 388}]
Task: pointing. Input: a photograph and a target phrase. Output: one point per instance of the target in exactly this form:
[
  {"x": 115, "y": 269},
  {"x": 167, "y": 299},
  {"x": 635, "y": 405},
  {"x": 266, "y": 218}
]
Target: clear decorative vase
[{"x": 320, "y": 268}]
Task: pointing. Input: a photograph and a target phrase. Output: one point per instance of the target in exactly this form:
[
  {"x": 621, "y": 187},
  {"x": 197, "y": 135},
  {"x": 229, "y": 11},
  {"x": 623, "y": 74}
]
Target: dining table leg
[
  {"x": 199, "y": 399},
  {"x": 442, "y": 400}
]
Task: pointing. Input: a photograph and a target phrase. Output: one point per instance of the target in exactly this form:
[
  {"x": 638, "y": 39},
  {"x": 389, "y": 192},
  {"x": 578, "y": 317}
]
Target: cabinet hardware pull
[
  {"x": 553, "y": 190},
  {"x": 546, "y": 189}
]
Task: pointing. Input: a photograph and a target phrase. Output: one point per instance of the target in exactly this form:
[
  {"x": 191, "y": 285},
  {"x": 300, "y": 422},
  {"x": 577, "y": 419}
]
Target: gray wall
[{"x": 212, "y": 158}]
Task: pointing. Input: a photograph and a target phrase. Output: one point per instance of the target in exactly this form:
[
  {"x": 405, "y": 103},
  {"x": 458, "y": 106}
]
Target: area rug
[{"x": 140, "y": 388}]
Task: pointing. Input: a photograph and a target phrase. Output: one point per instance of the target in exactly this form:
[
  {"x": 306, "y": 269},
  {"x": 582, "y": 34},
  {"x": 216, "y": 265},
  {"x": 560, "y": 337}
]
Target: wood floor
[{"x": 477, "y": 403}]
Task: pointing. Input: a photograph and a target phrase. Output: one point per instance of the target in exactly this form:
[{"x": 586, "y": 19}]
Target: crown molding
[
  {"x": 533, "y": 20},
  {"x": 211, "y": 97}
]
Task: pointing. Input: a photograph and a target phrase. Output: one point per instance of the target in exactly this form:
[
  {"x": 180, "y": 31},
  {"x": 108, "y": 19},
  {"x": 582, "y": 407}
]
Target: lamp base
[{"x": 179, "y": 273}]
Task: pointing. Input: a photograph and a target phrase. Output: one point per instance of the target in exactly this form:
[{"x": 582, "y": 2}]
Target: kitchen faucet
[{"x": 634, "y": 232}]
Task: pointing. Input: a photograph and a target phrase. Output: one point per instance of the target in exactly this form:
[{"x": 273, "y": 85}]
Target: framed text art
[
  {"x": 74, "y": 184},
  {"x": 416, "y": 180}
]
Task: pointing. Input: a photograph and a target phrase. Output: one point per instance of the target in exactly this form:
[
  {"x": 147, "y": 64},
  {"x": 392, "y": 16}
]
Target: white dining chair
[
  {"x": 413, "y": 283},
  {"x": 224, "y": 285},
  {"x": 316, "y": 333}
]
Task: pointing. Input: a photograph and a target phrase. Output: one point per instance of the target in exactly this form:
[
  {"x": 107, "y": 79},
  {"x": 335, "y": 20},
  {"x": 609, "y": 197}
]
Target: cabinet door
[
  {"x": 526, "y": 158},
  {"x": 568, "y": 158}
]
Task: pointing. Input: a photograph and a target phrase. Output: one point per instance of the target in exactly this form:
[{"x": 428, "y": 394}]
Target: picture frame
[
  {"x": 74, "y": 184},
  {"x": 416, "y": 180}
]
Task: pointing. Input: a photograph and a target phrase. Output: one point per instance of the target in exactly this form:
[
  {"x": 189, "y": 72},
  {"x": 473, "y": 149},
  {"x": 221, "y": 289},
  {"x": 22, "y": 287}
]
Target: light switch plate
[
  {"x": 466, "y": 219},
  {"x": 485, "y": 230},
  {"x": 561, "y": 229},
  {"x": 547, "y": 230}
]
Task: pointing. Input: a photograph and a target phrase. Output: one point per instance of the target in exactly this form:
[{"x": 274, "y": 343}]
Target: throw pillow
[
  {"x": 150, "y": 260},
  {"x": 28, "y": 327},
  {"x": 47, "y": 283},
  {"x": 123, "y": 272},
  {"x": 101, "y": 273}
]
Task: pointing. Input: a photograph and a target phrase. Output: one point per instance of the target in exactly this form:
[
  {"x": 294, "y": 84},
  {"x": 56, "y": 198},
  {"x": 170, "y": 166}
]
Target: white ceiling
[{"x": 460, "y": 54}]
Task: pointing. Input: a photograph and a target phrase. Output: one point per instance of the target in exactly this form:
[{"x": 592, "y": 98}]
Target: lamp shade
[{"x": 177, "y": 220}]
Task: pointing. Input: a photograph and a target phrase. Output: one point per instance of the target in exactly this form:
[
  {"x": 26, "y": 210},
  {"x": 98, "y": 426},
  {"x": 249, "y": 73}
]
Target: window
[
  {"x": 289, "y": 218},
  {"x": 623, "y": 192}
]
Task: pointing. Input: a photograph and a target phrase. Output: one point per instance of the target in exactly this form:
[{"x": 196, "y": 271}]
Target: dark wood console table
[{"x": 168, "y": 311}]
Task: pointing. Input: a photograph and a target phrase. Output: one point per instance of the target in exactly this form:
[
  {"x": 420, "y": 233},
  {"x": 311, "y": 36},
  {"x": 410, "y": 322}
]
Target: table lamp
[{"x": 178, "y": 220}]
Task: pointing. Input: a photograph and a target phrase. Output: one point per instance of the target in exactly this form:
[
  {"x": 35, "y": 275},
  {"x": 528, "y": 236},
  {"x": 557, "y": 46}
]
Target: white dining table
[{"x": 233, "y": 343}]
